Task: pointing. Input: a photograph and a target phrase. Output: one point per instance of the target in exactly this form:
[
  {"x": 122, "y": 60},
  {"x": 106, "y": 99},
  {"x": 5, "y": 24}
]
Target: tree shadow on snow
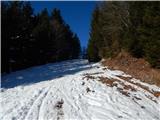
[{"x": 43, "y": 73}]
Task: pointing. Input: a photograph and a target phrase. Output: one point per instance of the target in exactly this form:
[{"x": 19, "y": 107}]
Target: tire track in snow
[
  {"x": 36, "y": 105},
  {"x": 43, "y": 101},
  {"x": 22, "y": 109},
  {"x": 72, "y": 103}
]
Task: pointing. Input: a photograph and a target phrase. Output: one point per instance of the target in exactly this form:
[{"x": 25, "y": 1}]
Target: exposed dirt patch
[
  {"x": 142, "y": 107},
  {"x": 155, "y": 93},
  {"x": 126, "y": 89},
  {"x": 129, "y": 87},
  {"x": 138, "y": 68},
  {"x": 125, "y": 78},
  {"x": 83, "y": 83},
  {"x": 88, "y": 89},
  {"x": 126, "y": 93},
  {"x": 108, "y": 82},
  {"x": 137, "y": 98},
  {"x": 104, "y": 68},
  {"x": 114, "y": 82},
  {"x": 59, "y": 106},
  {"x": 88, "y": 76}
]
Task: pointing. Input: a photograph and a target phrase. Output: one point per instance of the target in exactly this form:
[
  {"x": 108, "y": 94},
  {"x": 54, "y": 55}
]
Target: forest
[
  {"x": 133, "y": 27},
  {"x": 30, "y": 39}
]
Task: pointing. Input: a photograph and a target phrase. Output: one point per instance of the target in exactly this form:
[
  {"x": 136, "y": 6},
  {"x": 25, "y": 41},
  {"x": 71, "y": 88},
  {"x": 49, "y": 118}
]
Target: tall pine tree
[
  {"x": 93, "y": 46},
  {"x": 29, "y": 40}
]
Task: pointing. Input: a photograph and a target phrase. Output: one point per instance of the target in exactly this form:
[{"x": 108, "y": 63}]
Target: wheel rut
[{"x": 33, "y": 112}]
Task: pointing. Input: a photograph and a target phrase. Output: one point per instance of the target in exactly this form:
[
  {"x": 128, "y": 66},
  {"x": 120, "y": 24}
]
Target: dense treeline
[
  {"x": 29, "y": 40},
  {"x": 129, "y": 26}
]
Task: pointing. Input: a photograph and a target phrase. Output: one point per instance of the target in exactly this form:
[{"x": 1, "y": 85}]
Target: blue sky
[{"x": 77, "y": 14}]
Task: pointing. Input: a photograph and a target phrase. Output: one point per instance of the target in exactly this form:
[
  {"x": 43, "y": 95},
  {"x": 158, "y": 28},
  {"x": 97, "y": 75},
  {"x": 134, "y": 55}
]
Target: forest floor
[
  {"x": 77, "y": 90},
  {"x": 139, "y": 68}
]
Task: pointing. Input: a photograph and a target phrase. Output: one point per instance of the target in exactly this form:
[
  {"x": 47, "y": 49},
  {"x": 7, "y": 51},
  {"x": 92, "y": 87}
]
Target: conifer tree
[
  {"x": 42, "y": 35},
  {"x": 130, "y": 26},
  {"x": 4, "y": 38},
  {"x": 29, "y": 40},
  {"x": 149, "y": 33},
  {"x": 66, "y": 45},
  {"x": 76, "y": 48},
  {"x": 93, "y": 46}
]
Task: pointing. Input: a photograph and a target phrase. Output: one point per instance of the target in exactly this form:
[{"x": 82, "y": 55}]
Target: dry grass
[
  {"x": 138, "y": 68},
  {"x": 155, "y": 93},
  {"x": 125, "y": 90},
  {"x": 108, "y": 82},
  {"x": 112, "y": 83},
  {"x": 129, "y": 87},
  {"x": 88, "y": 76},
  {"x": 125, "y": 78}
]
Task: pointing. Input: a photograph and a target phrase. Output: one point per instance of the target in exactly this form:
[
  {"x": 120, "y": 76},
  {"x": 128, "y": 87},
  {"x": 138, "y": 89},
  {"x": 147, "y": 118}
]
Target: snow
[{"x": 59, "y": 91}]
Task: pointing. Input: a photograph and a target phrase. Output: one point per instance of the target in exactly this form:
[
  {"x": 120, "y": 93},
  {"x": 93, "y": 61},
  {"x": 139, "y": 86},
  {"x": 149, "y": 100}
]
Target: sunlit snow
[{"x": 62, "y": 91}]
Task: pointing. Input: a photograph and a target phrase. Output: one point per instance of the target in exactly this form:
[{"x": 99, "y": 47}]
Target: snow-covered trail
[{"x": 76, "y": 90}]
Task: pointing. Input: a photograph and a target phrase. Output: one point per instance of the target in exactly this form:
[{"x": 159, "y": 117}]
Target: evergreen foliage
[
  {"x": 93, "y": 45},
  {"x": 130, "y": 26},
  {"x": 29, "y": 40}
]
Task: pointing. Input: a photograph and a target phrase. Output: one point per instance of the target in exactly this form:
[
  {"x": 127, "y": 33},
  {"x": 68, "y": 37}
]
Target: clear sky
[{"x": 77, "y": 14}]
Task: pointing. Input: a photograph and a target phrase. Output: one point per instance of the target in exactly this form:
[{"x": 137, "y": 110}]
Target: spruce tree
[
  {"x": 29, "y": 40},
  {"x": 27, "y": 36},
  {"x": 4, "y": 38},
  {"x": 76, "y": 48},
  {"x": 129, "y": 26},
  {"x": 149, "y": 33},
  {"x": 42, "y": 35},
  {"x": 59, "y": 34},
  {"x": 67, "y": 45},
  {"x": 13, "y": 24},
  {"x": 93, "y": 46}
]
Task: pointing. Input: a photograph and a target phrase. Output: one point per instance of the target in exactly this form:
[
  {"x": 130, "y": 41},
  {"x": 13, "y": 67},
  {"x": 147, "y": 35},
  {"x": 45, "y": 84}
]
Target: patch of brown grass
[
  {"x": 129, "y": 87},
  {"x": 88, "y": 76},
  {"x": 125, "y": 93},
  {"x": 155, "y": 93},
  {"x": 108, "y": 82},
  {"x": 138, "y": 68},
  {"x": 126, "y": 88},
  {"x": 112, "y": 83},
  {"x": 125, "y": 78}
]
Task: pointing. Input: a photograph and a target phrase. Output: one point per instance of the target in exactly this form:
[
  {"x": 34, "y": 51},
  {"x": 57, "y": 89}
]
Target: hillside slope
[{"x": 76, "y": 90}]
